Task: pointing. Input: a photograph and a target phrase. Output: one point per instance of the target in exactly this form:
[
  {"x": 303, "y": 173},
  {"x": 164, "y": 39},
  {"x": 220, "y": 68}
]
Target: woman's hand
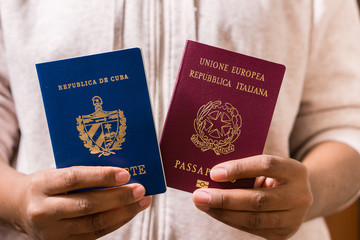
[
  {"x": 276, "y": 206},
  {"x": 48, "y": 211}
]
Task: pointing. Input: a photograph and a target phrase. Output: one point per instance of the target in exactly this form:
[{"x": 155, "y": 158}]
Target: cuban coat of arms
[{"x": 102, "y": 132}]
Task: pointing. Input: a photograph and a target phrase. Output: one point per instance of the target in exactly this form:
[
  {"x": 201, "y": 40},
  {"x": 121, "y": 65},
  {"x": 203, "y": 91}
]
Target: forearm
[
  {"x": 10, "y": 187},
  {"x": 333, "y": 169}
]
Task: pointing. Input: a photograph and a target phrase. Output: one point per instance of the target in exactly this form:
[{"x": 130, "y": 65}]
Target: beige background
[{"x": 346, "y": 224}]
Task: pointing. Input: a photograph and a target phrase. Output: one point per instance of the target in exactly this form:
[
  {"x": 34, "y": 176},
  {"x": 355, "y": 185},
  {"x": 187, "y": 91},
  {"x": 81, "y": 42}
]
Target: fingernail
[
  {"x": 218, "y": 173},
  {"x": 202, "y": 199},
  {"x": 201, "y": 196},
  {"x": 138, "y": 192},
  {"x": 122, "y": 177},
  {"x": 145, "y": 202}
]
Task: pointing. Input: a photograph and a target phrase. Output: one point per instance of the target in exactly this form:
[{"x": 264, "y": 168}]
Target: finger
[
  {"x": 97, "y": 222},
  {"x": 243, "y": 199},
  {"x": 91, "y": 202},
  {"x": 261, "y": 165},
  {"x": 252, "y": 220},
  {"x": 64, "y": 180},
  {"x": 270, "y": 225},
  {"x": 97, "y": 234}
]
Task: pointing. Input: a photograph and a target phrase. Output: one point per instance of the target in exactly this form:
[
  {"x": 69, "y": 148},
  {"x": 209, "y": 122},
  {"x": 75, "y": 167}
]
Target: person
[{"x": 316, "y": 119}]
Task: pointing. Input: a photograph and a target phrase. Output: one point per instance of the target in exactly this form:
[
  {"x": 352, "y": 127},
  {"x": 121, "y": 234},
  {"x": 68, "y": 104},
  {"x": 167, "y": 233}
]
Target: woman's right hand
[{"x": 48, "y": 211}]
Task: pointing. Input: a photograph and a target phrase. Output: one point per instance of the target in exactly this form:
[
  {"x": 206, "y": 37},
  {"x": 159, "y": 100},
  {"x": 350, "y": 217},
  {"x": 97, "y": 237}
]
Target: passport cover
[
  {"x": 99, "y": 114},
  {"x": 220, "y": 110}
]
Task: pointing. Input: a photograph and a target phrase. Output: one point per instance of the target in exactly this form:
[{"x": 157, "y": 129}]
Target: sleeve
[
  {"x": 330, "y": 106},
  {"x": 9, "y": 130}
]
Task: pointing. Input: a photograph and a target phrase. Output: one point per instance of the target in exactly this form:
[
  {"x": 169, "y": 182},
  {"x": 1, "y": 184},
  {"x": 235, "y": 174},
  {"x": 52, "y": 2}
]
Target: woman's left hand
[{"x": 276, "y": 206}]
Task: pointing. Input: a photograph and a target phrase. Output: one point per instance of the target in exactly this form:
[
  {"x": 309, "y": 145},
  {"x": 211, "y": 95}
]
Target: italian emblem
[
  {"x": 217, "y": 127},
  {"x": 102, "y": 131}
]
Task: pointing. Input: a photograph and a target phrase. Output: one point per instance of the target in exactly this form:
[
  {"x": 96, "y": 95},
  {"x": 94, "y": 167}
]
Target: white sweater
[{"x": 317, "y": 40}]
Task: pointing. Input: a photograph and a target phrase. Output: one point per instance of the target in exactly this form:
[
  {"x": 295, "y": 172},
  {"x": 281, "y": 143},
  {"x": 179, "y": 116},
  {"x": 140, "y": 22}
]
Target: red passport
[{"x": 220, "y": 110}]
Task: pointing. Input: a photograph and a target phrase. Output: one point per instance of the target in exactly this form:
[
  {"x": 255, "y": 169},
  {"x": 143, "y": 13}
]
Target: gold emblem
[
  {"x": 202, "y": 184},
  {"x": 102, "y": 131},
  {"x": 217, "y": 126}
]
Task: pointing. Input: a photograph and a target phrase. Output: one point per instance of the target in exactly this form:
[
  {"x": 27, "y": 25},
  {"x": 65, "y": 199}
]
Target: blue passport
[{"x": 99, "y": 114}]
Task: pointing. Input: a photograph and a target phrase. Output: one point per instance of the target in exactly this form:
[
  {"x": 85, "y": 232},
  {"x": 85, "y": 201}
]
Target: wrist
[
  {"x": 12, "y": 188},
  {"x": 18, "y": 217}
]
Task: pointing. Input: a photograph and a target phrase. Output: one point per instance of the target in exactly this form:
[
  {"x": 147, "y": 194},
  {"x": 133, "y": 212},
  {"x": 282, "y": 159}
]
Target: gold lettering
[
  {"x": 189, "y": 167},
  {"x": 177, "y": 163},
  {"x": 228, "y": 83},
  {"x": 247, "y": 73},
  {"x": 207, "y": 63},
  {"x": 253, "y": 74},
  {"x": 224, "y": 67},
  {"x": 234, "y": 70},
  {"x": 118, "y": 77},
  {"x": 103, "y": 80},
  {"x": 210, "y": 78},
  {"x": 243, "y": 72},
  {"x": 214, "y": 64},
  {"x": 182, "y": 166},
  {"x": 262, "y": 78},
  {"x": 197, "y": 75},
  {"x": 133, "y": 170},
  {"x": 251, "y": 89},
  {"x": 200, "y": 75},
  {"x": 214, "y": 79},
  {"x": 191, "y": 73},
  {"x": 91, "y": 82},
  {"x": 142, "y": 169}
]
